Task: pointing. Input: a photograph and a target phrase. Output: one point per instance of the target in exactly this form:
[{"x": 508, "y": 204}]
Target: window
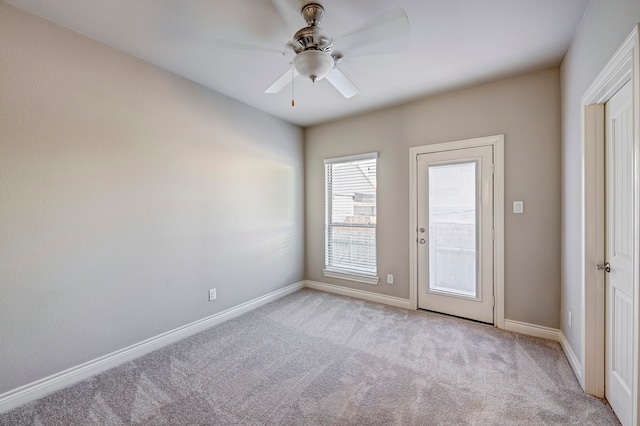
[{"x": 350, "y": 220}]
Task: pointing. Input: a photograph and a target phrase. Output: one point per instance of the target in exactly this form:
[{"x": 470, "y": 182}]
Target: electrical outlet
[
  {"x": 212, "y": 294},
  {"x": 389, "y": 278},
  {"x": 569, "y": 319}
]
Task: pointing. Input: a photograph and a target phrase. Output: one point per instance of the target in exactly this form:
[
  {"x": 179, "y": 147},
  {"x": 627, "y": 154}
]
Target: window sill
[{"x": 351, "y": 276}]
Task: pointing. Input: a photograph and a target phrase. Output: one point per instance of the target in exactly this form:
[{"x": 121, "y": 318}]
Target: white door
[
  {"x": 619, "y": 252},
  {"x": 455, "y": 233}
]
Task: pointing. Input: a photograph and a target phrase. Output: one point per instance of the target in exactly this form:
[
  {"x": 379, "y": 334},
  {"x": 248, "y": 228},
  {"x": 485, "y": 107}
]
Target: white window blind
[{"x": 350, "y": 221}]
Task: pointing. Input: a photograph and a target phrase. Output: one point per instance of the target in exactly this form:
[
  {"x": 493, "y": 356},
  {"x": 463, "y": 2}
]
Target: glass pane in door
[{"x": 452, "y": 229}]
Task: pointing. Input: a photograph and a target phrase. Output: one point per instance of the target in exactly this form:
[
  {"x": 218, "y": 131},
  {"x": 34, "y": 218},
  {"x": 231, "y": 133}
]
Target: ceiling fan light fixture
[{"x": 313, "y": 64}]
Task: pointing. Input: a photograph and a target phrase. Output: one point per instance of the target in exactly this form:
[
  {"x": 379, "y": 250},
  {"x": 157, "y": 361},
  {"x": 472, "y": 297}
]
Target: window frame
[{"x": 343, "y": 273}]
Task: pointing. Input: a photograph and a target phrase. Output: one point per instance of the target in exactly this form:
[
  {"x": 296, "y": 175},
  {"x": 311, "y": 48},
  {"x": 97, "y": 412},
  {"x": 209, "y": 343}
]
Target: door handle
[{"x": 606, "y": 267}]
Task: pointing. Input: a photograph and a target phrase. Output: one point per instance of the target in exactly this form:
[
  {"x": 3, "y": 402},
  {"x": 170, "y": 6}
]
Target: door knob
[
  {"x": 422, "y": 241},
  {"x": 606, "y": 267}
]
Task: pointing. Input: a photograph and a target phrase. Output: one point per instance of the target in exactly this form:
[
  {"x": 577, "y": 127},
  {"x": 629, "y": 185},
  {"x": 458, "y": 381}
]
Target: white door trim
[
  {"x": 497, "y": 142},
  {"x": 622, "y": 67}
]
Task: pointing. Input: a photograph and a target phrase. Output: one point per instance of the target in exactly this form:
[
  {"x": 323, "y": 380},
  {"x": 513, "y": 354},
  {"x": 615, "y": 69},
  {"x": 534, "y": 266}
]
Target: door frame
[
  {"x": 623, "y": 67},
  {"x": 497, "y": 142}
]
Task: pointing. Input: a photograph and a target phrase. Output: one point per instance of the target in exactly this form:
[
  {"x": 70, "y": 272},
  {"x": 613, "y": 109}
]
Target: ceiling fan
[{"x": 315, "y": 57}]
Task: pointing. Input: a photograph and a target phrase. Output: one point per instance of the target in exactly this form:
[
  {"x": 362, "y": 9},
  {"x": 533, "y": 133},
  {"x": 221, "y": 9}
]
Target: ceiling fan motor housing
[
  {"x": 313, "y": 49},
  {"x": 311, "y": 38}
]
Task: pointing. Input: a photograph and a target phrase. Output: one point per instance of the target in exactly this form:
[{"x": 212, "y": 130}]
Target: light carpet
[{"x": 313, "y": 358}]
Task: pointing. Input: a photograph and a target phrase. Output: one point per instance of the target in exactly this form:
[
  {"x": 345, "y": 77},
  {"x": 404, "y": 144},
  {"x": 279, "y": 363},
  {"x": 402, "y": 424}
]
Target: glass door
[{"x": 455, "y": 235}]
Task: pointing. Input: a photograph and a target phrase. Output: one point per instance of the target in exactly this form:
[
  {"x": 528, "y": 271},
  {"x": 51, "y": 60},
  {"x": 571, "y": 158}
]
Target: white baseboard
[
  {"x": 359, "y": 294},
  {"x": 42, "y": 387},
  {"x": 572, "y": 358},
  {"x": 532, "y": 330}
]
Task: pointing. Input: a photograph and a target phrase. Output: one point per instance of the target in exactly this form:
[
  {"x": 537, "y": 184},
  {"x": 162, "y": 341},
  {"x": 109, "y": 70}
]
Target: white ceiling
[{"x": 453, "y": 43}]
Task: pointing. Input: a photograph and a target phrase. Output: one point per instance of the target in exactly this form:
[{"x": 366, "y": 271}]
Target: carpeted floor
[{"x": 315, "y": 358}]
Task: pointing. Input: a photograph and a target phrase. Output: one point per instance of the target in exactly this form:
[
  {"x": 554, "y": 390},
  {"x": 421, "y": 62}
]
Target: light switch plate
[{"x": 518, "y": 206}]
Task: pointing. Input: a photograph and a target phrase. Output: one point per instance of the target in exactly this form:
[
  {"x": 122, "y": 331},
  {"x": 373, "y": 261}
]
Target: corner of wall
[{"x": 572, "y": 358}]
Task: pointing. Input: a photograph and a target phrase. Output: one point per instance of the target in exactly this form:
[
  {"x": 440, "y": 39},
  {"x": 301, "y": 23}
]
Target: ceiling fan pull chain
[{"x": 293, "y": 103}]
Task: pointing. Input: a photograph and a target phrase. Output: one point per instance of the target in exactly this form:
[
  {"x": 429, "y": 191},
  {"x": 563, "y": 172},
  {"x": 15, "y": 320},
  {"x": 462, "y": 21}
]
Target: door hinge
[
  {"x": 493, "y": 235},
  {"x": 494, "y": 302},
  {"x": 493, "y": 168}
]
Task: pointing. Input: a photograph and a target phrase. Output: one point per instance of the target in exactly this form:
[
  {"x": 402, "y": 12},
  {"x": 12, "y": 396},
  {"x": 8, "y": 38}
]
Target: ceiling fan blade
[
  {"x": 228, "y": 44},
  {"x": 283, "y": 81},
  {"x": 389, "y": 29},
  {"x": 342, "y": 83},
  {"x": 289, "y": 11}
]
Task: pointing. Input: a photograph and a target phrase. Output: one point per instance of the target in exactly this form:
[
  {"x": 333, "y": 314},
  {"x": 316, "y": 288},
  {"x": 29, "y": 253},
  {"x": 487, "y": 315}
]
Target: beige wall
[
  {"x": 125, "y": 193},
  {"x": 604, "y": 27},
  {"x": 526, "y": 110}
]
